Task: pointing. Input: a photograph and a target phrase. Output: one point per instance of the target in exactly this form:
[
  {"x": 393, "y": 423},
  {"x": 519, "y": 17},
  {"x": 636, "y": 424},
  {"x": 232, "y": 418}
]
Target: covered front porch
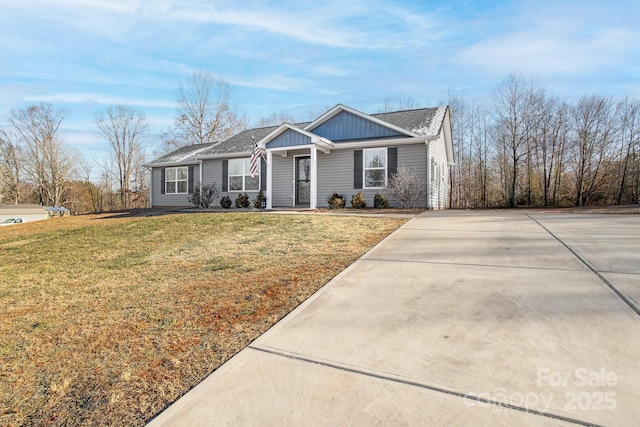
[{"x": 292, "y": 167}]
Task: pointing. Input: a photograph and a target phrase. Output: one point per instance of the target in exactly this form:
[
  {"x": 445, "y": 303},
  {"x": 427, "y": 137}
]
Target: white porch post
[
  {"x": 313, "y": 203},
  {"x": 269, "y": 179}
]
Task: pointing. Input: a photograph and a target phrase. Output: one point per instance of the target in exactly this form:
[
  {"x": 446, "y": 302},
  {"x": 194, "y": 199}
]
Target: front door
[{"x": 302, "y": 181}]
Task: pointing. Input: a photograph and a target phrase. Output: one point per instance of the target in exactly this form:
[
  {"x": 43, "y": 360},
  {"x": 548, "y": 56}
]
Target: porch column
[
  {"x": 269, "y": 179},
  {"x": 313, "y": 202}
]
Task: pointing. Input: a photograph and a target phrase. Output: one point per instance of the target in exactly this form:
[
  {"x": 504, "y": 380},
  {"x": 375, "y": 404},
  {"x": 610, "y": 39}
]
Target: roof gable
[
  {"x": 346, "y": 126},
  {"x": 288, "y": 137},
  {"x": 343, "y": 123}
]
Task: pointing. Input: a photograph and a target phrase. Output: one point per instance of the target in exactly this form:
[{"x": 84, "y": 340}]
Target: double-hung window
[
  {"x": 240, "y": 178},
  {"x": 177, "y": 180},
  {"x": 375, "y": 167}
]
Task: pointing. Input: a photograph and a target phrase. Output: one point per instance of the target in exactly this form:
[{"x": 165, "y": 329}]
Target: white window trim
[
  {"x": 365, "y": 168},
  {"x": 245, "y": 174},
  {"x": 176, "y": 180}
]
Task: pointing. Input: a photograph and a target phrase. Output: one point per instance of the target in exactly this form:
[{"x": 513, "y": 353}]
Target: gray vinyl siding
[
  {"x": 282, "y": 176},
  {"x": 335, "y": 173},
  {"x": 212, "y": 174},
  {"x": 170, "y": 200},
  {"x": 289, "y": 138},
  {"x": 438, "y": 181},
  {"x": 346, "y": 126}
]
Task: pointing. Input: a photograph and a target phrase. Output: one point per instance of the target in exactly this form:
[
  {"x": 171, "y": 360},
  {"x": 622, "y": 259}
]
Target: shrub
[
  {"x": 358, "y": 201},
  {"x": 225, "y": 202},
  {"x": 202, "y": 197},
  {"x": 260, "y": 198},
  {"x": 380, "y": 201},
  {"x": 242, "y": 201},
  {"x": 336, "y": 201},
  {"x": 406, "y": 188}
]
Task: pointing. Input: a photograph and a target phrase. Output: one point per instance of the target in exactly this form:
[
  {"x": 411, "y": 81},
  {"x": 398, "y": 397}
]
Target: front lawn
[{"x": 107, "y": 320}]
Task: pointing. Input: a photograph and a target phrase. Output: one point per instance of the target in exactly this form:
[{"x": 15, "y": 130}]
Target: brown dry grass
[{"x": 105, "y": 321}]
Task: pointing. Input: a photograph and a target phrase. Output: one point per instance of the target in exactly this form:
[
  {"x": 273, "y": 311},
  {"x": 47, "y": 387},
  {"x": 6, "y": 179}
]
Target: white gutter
[
  {"x": 170, "y": 164},
  {"x": 381, "y": 142},
  {"x": 225, "y": 156}
]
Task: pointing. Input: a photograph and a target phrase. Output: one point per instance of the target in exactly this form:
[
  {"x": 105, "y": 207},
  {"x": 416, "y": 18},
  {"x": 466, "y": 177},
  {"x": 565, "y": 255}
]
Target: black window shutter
[
  {"x": 225, "y": 175},
  {"x": 162, "y": 183},
  {"x": 190, "y": 180},
  {"x": 263, "y": 174},
  {"x": 357, "y": 169},
  {"x": 392, "y": 160}
]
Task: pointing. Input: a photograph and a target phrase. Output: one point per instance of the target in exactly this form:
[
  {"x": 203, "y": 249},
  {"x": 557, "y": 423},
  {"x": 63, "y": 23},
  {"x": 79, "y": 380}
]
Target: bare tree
[
  {"x": 406, "y": 188},
  {"x": 480, "y": 135},
  {"x": 516, "y": 107},
  {"x": 398, "y": 103},
  {"x": 205, "y": 113},
  {"x": 170, "y": 140},
  {"x": 275, "y": 119},
  {"x": 47, "y": 162},
  {"x": 10, "y": 167},
  {"x": 593, "y": 132},
  {"x": 459, "y": 177},
  {"x": 90, "y": 188},
  {"x": 124, "y": 130},
  {"x": 551, "y": 144},
  {"x": 628, "y": 111}
]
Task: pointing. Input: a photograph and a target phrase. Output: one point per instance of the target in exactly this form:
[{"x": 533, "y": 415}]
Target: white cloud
[
  {"x": 543, "y": 52},
  {"x": 80, "y": 98}
]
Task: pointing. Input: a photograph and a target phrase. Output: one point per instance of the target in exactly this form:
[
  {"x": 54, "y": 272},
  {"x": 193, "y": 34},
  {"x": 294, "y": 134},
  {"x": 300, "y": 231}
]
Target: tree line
[
  {"x": 527, "y": 147},
  {"x": 36, "y": 166}
]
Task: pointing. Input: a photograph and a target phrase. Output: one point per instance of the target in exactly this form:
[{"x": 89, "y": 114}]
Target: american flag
[{"x": 253, "y": 169}]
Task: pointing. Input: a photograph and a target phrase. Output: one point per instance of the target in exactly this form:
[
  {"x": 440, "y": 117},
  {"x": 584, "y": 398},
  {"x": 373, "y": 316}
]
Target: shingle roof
[
  {"x": 417, "y": 121},
  {"x": 422, "y": 121},
  {"x": 183, "y": 154},
  {"x": 239, "y": 143}
]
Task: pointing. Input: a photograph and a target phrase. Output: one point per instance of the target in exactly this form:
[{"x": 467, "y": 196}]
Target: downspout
[{"x": 150, "y": 186}]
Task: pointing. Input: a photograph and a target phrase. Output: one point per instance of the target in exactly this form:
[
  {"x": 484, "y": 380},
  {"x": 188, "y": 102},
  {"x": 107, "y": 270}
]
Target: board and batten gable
[
  {"x": 289, "y": 138},
  {"x": 345, "y": 126}
]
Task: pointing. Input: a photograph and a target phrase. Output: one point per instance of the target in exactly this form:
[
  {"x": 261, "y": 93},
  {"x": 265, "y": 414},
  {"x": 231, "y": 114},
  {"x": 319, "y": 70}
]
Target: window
[
  {"x": 240, "y": 178},
  {"x": 177, "y": 180},
  {"x": 375, "y": 168}
]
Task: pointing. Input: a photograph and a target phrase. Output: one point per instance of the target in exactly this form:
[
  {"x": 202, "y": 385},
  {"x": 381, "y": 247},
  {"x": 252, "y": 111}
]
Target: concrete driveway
[{"x": 458, "y": 318}]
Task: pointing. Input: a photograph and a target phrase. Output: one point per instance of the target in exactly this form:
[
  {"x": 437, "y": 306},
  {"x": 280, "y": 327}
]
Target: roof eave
[{"x": 225, "y": 155}]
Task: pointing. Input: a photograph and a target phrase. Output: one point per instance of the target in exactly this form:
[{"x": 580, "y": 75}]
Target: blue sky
[{"x": 303, "y": 56}]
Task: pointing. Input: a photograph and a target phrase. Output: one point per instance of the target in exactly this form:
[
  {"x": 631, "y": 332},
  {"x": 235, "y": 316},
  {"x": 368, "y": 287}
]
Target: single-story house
[
  {"x": 27, "y": 212},
  {"x": 343, "y": 151}
]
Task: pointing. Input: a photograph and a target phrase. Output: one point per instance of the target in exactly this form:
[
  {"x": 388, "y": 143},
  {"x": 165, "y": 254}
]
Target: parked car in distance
[{"x": 11, "y": 221}]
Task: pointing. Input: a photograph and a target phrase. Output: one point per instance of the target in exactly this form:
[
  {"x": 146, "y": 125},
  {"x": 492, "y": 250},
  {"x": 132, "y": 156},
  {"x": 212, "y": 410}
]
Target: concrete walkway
[{"x": 458, "y": 318}]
